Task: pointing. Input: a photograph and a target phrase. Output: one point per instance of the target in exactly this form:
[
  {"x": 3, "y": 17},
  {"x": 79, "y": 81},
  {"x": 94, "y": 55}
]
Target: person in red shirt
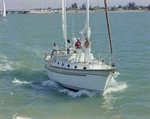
[{"x": 78, "y": 49}]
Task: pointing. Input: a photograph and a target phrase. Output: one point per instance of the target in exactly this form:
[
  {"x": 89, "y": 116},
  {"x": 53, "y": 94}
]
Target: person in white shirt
[
  {"x": 87, "y": 45},
  {"x": 55, "y": 48},
  {"x": 69, "y": 46}
]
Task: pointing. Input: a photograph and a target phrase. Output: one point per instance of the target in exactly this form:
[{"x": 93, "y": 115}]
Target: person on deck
[
  {"x": 87, "y": 44},
  {"x": 55, "y": 48},
  {"x": 69, "y": 46},
  {"x": 78, "y": 48}
]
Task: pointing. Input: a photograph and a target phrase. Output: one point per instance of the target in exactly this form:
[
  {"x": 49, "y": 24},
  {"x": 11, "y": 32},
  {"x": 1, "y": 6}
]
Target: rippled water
[{"x": 26, "y": 91}]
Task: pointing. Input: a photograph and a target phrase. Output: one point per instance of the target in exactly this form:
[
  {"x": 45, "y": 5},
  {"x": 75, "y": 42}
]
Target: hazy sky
[{"x": 30, "y": 4}]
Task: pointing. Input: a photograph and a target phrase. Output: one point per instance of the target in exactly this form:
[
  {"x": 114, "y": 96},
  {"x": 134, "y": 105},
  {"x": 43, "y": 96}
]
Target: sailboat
[
  {"x": 62, "y": 68},
  {"x": 3, "y": 14}
]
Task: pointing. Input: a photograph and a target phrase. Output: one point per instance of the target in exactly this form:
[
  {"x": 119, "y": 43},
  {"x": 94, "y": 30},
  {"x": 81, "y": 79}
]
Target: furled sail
[
  {"x": 64, "y": 23},
  {"x": 86, "y": 32}
]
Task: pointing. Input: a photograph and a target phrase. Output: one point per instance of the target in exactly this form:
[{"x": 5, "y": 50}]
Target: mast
[
  {"x": 87, "y": 18},
  {"x": 107, "y": 17},
  {"x": 64, "y": 22}
]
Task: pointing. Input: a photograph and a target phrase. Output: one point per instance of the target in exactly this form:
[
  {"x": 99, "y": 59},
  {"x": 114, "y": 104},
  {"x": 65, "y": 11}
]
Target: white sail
[
  {"x": 86, "y": 32},
  {"x": 4, "y": 13},
  {"x": 64, "y": 22}
]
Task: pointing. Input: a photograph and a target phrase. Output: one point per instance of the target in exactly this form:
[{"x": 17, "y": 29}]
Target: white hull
[{"x": 80, "y": 80}]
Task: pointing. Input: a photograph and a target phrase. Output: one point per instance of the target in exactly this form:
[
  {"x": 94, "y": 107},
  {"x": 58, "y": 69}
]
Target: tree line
[{"x": 129, "y": 6}]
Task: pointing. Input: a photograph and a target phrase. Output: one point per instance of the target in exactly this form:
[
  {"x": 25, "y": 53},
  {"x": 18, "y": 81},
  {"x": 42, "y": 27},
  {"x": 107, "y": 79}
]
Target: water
[{"x": 27, "y": 93}]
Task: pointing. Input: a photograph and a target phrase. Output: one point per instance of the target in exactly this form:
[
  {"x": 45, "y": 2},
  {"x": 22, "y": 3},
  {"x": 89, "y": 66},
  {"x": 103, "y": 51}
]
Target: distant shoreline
[{"x": 48, "y": 12}]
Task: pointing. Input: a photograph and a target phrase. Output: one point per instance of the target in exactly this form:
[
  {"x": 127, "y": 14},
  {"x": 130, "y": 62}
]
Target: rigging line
[
  {"x": 107, "y": 53},
  {"x": 49, "y": 30},
  {"x": 79, "y": 5},
  {"x": 51, "y": 14},
  {"x": 99, "y": 12},
  {"x": 108, "y": 39},
  {"x": 62, "y": 45},
  {"x": 83, "y": 2},
  {"x": 98, "y": 3},
  {"x": 72, "y": 23},
  {"x": 44, "y": 4},
  {"x": 109, "y": 2}
]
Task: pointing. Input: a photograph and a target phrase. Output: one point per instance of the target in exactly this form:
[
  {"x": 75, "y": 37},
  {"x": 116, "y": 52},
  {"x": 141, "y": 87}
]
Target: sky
[{"x": 31, "y": 4}]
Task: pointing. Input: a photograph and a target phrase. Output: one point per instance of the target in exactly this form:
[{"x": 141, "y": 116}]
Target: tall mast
[
  {"x": 107, "y": 17},
  {"x": 64, "y": 22},
  {"x": 87, "y": 18}
]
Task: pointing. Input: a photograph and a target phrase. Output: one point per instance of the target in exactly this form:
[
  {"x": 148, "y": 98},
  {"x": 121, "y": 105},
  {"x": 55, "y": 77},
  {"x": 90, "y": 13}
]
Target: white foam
[
  {"x": 108, "y": 103},
  {"x": 11, "y": 93},
  {"x": 18, "y": 44},
  {"x": 49, "y": 83},
  {"x": 115, "y": 86},
  {"x": 116, "y": 74},
  {"x": 20, "y": 82},
  {"x": 3, "y": 56},
  {"x": 120, "y": 87},
  {"x": 19, "y": 117},
  {"x": 79, "y": 93},
  {"x": 70, "y": 93},
  {"x": 6, "y": 65}
]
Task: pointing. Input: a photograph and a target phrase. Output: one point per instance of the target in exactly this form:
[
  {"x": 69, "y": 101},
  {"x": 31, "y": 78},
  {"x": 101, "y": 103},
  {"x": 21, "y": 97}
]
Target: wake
[{"x": 113, "y": 87}]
